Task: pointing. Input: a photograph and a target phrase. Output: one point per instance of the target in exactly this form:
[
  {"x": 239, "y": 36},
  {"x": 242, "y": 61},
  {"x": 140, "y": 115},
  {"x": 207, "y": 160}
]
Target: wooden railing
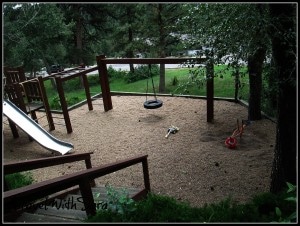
[
  {"x": 18, "y": 198},
  {"x": 15, "y": 167}
]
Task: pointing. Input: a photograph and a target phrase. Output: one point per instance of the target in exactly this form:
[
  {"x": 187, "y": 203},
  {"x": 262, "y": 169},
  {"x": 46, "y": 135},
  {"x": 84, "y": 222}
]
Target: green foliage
[
  {"x": 160, "y": 208},
  {"x": 54, "y": 102},
  {"x": 119, "y": 201},
  {"x": 115, "y": 74},
  {"x": 291, "y": 197},
  {"x": 72, "y": 84},
  {"x": 196, "y": 77},
  {"x": 189, "y": 81},
  {"x": 35, "y": 35},
  {"x": 93, "y": 80},
  {"x": 174, "y": 81},
  {"x": 118, "y": 204},
  {"x": 38, "y": 34},
  {"x": 141, "y": 72},
  {"x": 17, "y": 180},
  {"x": 71, "y": 99}
]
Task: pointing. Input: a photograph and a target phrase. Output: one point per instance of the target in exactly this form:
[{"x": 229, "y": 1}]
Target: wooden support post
[
  {"x": 13, "y": 128},
  {"x": 88, "y": 164},
  {"x": 87, "y": 91},
  {"x": 46, "y": 103},
  {"x": 63, "y": 103},
  {"x": 210, "y": 90},
  {"x": 146, "y": 174},
  {"x": 103, "y": 76},
  {"x": 87, "y": 197}
]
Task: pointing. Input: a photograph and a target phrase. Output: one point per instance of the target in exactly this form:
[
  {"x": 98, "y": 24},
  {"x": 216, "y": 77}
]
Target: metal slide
[{"x": 34, "y": 130}]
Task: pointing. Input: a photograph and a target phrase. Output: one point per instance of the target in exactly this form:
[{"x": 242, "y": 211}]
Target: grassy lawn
[{"x": 177, "y": 81}]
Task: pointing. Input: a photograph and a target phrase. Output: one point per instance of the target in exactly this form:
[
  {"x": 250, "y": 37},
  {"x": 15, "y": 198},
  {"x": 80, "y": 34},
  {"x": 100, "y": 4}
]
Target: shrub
[
  {"x": 17, "y": 180},
  {"x": 115, "y": 74},
  {"x": 141, "y": 72},
  {"x": 159, "y": 208}
]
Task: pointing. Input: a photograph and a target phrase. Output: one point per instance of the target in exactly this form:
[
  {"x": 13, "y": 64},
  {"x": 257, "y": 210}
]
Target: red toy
[{"x": 231, "y": 141}]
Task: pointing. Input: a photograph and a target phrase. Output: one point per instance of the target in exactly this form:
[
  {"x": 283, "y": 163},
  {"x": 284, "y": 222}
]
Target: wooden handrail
[
  {"x": 65, "y": 76},
  {"x": 14, "y": 199},
  {"x": 14, "y": 167}
]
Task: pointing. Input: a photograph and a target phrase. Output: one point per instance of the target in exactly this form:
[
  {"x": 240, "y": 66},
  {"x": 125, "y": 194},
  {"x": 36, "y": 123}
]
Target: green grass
[
  {"x": 263, "y": 207},
  {"x": 17, "y": 180},
  {"x": 223, "y": 86},
  {"x": 177, "y": 81},
  {"x": 159, "y": 208},
  {"x": 181, "y": 81}
]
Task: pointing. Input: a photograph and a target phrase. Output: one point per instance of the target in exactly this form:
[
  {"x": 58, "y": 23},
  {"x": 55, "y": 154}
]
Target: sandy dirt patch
[{"x": 192, "y": 165}]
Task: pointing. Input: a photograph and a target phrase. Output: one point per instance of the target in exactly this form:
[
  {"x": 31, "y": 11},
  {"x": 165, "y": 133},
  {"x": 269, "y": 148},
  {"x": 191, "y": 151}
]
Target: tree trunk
[
  {"x": 79, "y": 38},
  {"x": 162, "y": 44},
  {"x": 130, "y": 36},
  {"x": 237, "y": 84},
  {"x": 255, "y": 66},
  {"x": 162, "y": 78},
  {"x": 284, "y": 52}
]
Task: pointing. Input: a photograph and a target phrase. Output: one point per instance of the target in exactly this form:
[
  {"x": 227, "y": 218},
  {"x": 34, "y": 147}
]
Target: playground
[{"x": 192, "y": 165}]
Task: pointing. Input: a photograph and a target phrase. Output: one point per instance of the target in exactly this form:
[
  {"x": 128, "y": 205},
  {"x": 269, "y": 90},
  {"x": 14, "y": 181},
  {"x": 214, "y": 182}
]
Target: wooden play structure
[
  {"x": 102, "y": 62},
  {"x": 27, "y": 94},
  {"x": 106, "y": 94}
]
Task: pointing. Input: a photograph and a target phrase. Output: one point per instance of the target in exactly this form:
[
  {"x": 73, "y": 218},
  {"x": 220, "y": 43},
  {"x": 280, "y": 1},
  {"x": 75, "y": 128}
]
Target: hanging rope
[
  {"x": 152, "y": 104},
  {"x": 147, "y": 91}
]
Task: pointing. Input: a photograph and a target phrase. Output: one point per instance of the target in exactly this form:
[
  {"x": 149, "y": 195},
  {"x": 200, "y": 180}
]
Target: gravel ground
[{"x": 193, "y": 165}]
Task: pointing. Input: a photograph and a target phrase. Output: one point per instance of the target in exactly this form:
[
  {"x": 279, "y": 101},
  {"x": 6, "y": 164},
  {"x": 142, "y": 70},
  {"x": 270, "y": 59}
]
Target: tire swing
[{"x": 155, "y": 103}]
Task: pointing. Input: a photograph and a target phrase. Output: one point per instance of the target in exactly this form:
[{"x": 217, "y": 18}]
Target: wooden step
[
  {"x": 72, "y": 214},
  {"x": 70, "y": 208},
  {"x": 33, "y": 217}
]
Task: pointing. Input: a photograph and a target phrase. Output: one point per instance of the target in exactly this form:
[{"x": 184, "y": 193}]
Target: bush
[
  {"x": 55, "y": 102},
  {"x": 93, "y": 80},
  {"x": 115, "y": 74},
  {"x": 141, "y": 72},
  {"x": 174, "y": 81},
  {"x": 17, "y": 180},
  {"x": 159, "y": 208},
  {"x": 72, "y": 85}
]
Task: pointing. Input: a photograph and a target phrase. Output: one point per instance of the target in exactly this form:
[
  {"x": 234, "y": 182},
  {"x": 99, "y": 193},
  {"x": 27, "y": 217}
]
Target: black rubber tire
[{"x": 153, "y": 104}]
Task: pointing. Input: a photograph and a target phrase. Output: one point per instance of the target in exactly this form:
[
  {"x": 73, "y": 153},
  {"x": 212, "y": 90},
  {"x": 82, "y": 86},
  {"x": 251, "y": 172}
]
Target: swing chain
[
  {"x": 152, "y": 82},
  {"x": 152, "y": 104}
]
